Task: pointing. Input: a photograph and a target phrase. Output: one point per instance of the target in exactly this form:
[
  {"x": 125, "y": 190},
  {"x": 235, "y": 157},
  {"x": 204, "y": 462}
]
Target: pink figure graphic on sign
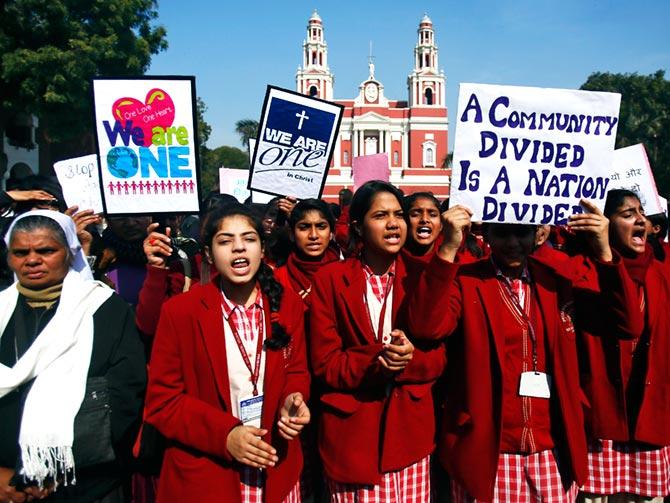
[
  {"x": 155, "y": 185},
  {"x": 133, "y": 185},
  {"x": 125, "y": 187},
  {"x": 169, "y": 187},
  {"x": 140, "y": 185},
  {"x": 176, "y": 186},
  {"x": 111, "y": 188},
  {"x": 162, "y": 186},
  {"x": 147, "y": 186},
  {"x": 191, "y": 185},
  {"x": 183, "y": 186},
  {"x": 118, "y": 188}
]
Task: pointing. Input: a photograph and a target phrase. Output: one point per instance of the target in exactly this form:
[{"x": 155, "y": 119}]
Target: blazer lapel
[
  {"x": 545, "y": 286},
  {"x": 210, "y": 321},
  {"x": 353, "y": 296},
  {"x": 489, "y": 293}
]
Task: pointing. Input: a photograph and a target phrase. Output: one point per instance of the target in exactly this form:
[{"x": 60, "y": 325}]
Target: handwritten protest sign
[
  {"x": 80, "y": 182},
  {"x": 147, "y": 144},
  {"x": 631, "y": 170},
  {"x": 234, "y": 182},
  {"x": 370, "y": 167},
  {"x": 528, "y": 155},
  {"x": 664, "y": 206},
  {"x": 298, "y": 134}
]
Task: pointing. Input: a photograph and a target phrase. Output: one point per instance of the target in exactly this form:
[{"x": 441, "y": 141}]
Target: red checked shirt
[
  {"x": 379, "y": 302},
  {"x": 526, "y": 420}
]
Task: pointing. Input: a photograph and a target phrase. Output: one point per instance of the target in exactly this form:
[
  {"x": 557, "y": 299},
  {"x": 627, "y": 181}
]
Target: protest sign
[
  {"x": 664, "y": 206},
  {"x": 257, "y": 197},
  {"x": 147, "y": 144},
  {"x": 529, "y": 155},
  {"x": 631, "y": 170},
  {"x": 370, "y": 167},
  {"x": 234, "y": 182},
  {"x": 79, "y": 179},
  {"x": 298, "y": 134}
]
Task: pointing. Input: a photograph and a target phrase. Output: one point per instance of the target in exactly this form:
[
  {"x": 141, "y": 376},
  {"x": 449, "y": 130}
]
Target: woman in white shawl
[{"x": 60, "y": 331}]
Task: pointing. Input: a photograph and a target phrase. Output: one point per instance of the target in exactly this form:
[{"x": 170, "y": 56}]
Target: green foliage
[
  {"x": 246, "y": 128},
  {"x": 50, "y": 49},
  {"x": 221, "y": 157},
  {"x": 644, "y": 116},
  {"x": 204, "y": 129}
]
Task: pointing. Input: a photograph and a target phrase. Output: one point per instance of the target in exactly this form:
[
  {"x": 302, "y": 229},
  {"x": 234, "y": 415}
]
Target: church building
[{"x": 412, "y": 132}]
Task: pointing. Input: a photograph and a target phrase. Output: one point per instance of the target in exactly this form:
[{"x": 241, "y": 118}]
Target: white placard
[
  {"x": 298, "y": 133},
  {"x": 528, "y": 155},
  {"x": 234, "y": 182},
  {"x": 80, "y": 182},
  {"x": 146, "y": 143},
  {"x": 631, "y": 170}
]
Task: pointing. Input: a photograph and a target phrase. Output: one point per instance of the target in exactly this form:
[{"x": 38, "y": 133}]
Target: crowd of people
[{"x": 383, "y": 349}]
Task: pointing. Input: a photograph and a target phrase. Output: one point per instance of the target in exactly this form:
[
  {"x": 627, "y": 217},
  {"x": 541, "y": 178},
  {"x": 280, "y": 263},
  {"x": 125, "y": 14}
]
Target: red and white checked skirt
[
  {"x": 409, "y": 485},
  {"x": 252, "y": 482},
  {"x": 524, "y": 479},
  {"x": 628, "y": 467}
]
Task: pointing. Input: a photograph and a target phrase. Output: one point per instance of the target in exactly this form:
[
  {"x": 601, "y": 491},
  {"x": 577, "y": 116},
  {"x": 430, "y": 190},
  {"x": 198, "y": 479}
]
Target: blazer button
[{"x": 648, "y": 383}]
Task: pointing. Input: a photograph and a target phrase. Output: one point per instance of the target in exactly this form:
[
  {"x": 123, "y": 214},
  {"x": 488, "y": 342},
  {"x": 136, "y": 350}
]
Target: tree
[
  {"x": 246, "y": 128},
  {"x": 644, "y": 116},
  {"x": 50, "y": 50},
  {"x": 229, "y": 157}
]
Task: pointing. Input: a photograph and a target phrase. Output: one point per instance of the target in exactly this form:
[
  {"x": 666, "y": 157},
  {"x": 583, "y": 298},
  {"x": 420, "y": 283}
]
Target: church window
[
  {"x": 428, "y": 95},
  {"x": 395, "y": 157},
  {"x": 313, "y": 91},
  {"x": 345, "y": 158},
  {"x": 429, "y": 149}
]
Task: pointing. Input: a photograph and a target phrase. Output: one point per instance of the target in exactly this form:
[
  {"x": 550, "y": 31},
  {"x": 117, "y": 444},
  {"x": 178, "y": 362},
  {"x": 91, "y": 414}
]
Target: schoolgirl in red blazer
[
  {"x": 228, "y": 380},
  {"x": 513, "y": 405},
  {"x": 312, "y": 226},
  {"x": 377, "y": 424},
  {"x": 627, "y": 378}
]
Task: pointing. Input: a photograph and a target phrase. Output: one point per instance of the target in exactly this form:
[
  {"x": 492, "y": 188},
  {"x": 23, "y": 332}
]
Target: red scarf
[
  {"x": 301, "y": 271},
  {"x": 637, "y": 266}
]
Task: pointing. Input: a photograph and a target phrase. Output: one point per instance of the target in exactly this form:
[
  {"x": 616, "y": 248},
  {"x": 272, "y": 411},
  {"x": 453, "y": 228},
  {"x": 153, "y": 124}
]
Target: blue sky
[{"x": 236, "y": 48}]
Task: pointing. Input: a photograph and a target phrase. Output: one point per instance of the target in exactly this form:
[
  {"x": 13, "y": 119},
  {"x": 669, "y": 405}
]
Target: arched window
[
  {"x": 429, "y": 153},
  {"x": 428, "y": 95},
  {"x": 313, "y": 91},
  {"x": 314, "y": 57},
  {"x": 430, "y": 156},
  {"x": 345, "y": 158},
  {"x": 395, "y": 157}
]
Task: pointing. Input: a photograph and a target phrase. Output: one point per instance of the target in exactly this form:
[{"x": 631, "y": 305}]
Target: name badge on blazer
[
  {"x": 251, "y": 409},
  {"x": 535, "y": 384}
]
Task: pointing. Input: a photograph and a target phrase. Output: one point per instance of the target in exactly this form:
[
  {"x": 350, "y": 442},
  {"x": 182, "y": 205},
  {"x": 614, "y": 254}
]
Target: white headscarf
[
  {"x": 58, "y": 361},
  {"x": 80, "y": 264}
]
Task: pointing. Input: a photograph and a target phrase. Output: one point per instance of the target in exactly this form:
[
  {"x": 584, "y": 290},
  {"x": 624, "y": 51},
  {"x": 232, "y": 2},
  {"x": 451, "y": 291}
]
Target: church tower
[
  {"x": 426, "y": 82},
  {"x": 313, "y": 77}
]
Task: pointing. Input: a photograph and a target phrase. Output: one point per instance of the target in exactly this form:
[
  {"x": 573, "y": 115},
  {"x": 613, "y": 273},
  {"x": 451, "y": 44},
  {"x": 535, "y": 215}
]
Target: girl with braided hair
[{"x": 228, "y": 378}]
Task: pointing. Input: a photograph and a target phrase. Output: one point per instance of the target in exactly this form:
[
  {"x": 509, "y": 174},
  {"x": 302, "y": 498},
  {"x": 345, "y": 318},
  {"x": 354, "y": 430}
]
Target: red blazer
[
  {"x": 602, "y": 373},
  {"x": 469, "y": 305},
  {"x": 371, "y": 423},
  {"x": 188, "y": 398}
]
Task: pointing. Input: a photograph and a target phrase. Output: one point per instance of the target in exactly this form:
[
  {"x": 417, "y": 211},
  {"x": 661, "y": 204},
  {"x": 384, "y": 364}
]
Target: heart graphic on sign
[{"x": 156, "y": 111}]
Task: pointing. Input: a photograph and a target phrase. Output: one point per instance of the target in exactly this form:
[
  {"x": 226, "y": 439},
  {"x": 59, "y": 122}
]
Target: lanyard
[
  {"x": 529, "y": 323},
  {"x": 256, "y": 371},
  {"x": 380, "y": 325}
]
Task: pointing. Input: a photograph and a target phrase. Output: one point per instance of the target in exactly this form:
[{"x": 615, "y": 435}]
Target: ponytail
[{"x": 273, "y": 291}]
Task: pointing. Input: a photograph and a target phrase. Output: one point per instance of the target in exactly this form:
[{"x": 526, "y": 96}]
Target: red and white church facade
[{"x": 412, "y": 133}]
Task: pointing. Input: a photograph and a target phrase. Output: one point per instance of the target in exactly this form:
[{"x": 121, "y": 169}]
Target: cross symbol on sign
[{"x": 302, "y": 117}]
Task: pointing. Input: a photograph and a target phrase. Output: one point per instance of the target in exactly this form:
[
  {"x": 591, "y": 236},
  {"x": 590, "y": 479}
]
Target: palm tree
[{"x": 246, "y": 128}]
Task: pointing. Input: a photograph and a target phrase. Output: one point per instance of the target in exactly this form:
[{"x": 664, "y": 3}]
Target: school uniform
[
  {"x": 627, "y": 381},
  {"x": 197, "y": 378},
  {"x": 377, "y": 429},
  {"x": 520, "y": 442}
]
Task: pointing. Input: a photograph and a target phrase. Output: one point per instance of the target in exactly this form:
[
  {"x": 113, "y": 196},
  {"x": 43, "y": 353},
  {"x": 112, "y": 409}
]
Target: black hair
[
  {"x": 410, "y": 199},
  {"x": 40, "y": 182},
  {"x": 661, "y": 220},
  {"x": 361, "y": 203},
  {"x": 345, "y": 196},
  {"x": 33, "y": 223},
  {"x": 307, "y": 205},
  {"x": 444, "y": 206},
  {"x": 335, "y": 210},
  {"x": 265, "y": 277},
  {"x": 615, "y": 198}
]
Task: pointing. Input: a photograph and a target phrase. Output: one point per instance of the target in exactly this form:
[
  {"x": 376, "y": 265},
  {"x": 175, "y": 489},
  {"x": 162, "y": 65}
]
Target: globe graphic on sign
[{"x": 122, "y": 162}]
